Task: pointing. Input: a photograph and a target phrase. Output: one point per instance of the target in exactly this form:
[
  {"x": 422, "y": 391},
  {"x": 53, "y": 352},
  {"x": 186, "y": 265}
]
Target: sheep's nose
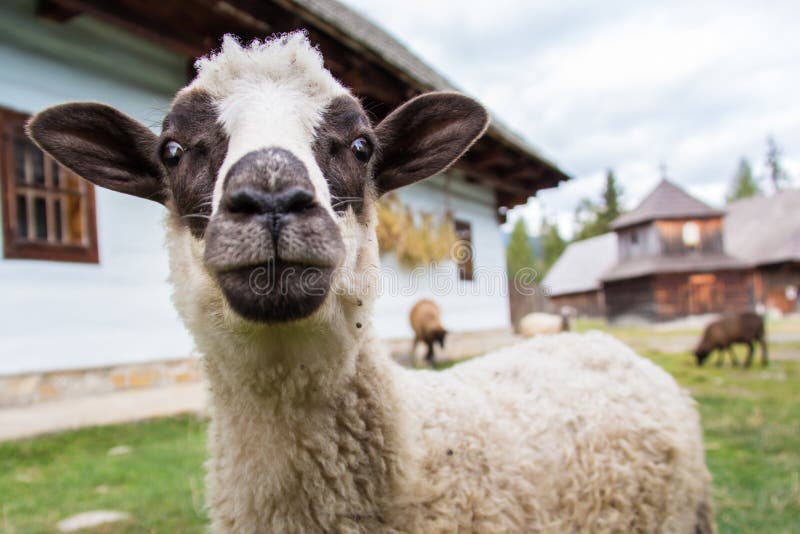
[
  {"x": 271, "y": 183},
  {"x": 247, "y": 200}
]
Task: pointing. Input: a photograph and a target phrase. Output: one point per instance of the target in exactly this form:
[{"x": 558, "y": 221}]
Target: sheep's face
[{"x": 269, "y": 168}]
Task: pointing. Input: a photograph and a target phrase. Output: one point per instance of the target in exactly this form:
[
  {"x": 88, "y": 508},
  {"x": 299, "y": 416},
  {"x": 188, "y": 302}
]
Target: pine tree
[
  {"x": 743, "y": 184},
  {"x": 519, "y": 254},
  {"x": 595, "y": 218},
  {"x": 611, "y": 197},
  {"x": 552, "y": 245},
  {"x": 777, "y": 174}
]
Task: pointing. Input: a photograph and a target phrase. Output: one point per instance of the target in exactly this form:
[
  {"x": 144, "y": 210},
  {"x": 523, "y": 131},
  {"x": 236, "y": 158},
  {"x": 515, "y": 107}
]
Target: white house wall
[
  {"x": 57, "y": 315},
  {"x": 466, "y": 306}
]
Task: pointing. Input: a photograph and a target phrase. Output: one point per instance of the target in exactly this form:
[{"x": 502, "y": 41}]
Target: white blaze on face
[{"x": 269, "y": 94}]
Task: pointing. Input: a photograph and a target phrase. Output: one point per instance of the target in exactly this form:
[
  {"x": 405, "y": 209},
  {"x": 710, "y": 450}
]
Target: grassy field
[{"x": 751, "y": 420}]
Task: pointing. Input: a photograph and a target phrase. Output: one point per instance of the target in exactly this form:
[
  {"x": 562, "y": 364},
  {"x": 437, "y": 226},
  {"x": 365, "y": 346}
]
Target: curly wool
[
  {"x": 562, "y": 433},
  {"x": 288, "y": 60},
  {"x": 557, "y": 434}
]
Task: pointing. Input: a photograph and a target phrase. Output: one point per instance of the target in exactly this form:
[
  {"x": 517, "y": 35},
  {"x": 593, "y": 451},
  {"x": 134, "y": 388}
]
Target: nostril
[
  {"x": 250, "y": 201},
  {"x": 294, "y": 200},
  {"x": 247, "y": 201}
]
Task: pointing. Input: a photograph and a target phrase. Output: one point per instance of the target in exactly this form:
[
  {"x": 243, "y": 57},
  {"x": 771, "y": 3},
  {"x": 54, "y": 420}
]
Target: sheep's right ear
[
  {"x": 103, "y": 145},
  {"x": 425, "y": 136}
]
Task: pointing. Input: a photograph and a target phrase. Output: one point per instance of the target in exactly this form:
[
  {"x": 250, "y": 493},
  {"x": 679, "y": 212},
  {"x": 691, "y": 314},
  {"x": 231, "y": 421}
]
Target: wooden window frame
[
  {"x": 466, "y": 267},
  {"x": 12, "y": 126}
]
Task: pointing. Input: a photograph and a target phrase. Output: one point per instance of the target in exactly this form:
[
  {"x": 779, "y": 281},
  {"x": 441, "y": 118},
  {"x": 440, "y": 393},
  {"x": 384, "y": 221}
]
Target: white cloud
[{"x": 621, "y": 84}]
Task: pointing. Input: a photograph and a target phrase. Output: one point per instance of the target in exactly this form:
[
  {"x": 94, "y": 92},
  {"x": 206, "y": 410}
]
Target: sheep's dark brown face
[
  {"x": 269, "y": 168},
  {"x": 272, "y": 236}
]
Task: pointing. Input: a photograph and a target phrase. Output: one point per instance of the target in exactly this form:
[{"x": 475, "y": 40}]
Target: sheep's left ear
[
  {"x": 103, "y": 145},
  {"x": 425, "y": 136}
]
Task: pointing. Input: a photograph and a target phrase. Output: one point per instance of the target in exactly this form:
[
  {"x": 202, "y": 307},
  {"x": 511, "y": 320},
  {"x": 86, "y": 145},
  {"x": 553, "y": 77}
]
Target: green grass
[
  {"x": 159, "y": 482},
  {"x": 751, "y": 423},
  {"x": 751, "y": 420}
]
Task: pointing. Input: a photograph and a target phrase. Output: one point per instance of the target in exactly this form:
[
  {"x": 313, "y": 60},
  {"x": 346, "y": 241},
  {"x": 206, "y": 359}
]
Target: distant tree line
[
  {"x": 744, "y": 183},
  {"x": 593, "y": 217}
]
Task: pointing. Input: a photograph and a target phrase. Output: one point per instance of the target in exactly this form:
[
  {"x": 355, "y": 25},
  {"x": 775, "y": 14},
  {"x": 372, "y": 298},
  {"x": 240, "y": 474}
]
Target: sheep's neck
[{"x": 295, "y": 432}]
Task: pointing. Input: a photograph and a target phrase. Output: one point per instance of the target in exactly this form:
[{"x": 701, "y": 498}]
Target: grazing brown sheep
[
  {"x": 721, "y": 334},
  {"x": 426, "y": 322}
]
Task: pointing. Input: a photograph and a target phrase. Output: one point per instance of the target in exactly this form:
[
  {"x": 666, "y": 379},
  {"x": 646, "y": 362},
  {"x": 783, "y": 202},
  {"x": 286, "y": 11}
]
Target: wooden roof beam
[
  {"x": 496, "y": 182},
  {"x": 50, "y": 10},
  {"x": 129, "y": 19}
]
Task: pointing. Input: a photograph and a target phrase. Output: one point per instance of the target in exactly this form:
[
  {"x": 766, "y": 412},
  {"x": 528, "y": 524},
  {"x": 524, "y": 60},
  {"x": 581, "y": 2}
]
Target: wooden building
[
  {"x": 672, "y": 262},
  {"x": 765, "y": 232},
  {"x": 574, "y": 280},
  {"x": 674, "y": 256}
]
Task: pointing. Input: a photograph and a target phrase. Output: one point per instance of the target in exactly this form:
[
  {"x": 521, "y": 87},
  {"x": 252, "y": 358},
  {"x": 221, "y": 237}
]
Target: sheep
[
  {"x": 270, "y": 170},
  {"x": 539, "y": 323},
  {"x": 425, "y": 319},
  {"x": 721, "y": 334}
]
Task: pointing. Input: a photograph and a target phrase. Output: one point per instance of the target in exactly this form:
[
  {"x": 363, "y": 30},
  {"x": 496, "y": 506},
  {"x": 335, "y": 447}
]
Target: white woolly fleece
[
  {"x": 288, "y": 60},
  {"x": 563, "y": 433}
]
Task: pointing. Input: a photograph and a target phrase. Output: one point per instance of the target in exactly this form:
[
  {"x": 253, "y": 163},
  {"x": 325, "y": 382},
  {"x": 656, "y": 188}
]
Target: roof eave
[
  {"x": 677, "y": 217},
  {"x": 497, "y": 130}
]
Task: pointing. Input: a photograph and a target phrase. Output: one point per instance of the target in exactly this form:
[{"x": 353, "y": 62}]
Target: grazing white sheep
[
  {"x": 270, "y": 171},
  {"x": 537, "y": 324}
]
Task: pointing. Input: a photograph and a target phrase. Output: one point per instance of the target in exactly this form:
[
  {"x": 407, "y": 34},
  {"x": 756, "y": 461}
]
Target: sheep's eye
[
  {"x": 171, "y": 153},
  {"x": 362, "y": 149}
]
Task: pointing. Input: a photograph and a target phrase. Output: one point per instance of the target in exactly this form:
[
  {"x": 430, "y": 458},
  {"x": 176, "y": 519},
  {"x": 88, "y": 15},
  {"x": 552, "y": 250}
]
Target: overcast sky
[{"x": 694, "y": 85}]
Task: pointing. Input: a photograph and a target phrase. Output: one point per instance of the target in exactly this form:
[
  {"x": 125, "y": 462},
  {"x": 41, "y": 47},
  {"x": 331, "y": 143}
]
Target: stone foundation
[{"x": 21, "y": 390}]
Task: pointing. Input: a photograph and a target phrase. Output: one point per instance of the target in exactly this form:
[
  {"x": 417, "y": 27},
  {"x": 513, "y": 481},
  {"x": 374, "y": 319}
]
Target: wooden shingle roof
[
  {"x": 694, "y": 263},
  {"x": 666, "y": 201},
  {"x": 581, "y": 265},
  {"x": 764, "y": 229}
]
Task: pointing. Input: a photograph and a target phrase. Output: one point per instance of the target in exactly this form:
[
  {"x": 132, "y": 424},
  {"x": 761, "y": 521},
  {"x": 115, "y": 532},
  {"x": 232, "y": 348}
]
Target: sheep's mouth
[
  {"x": 276, "y": 291},
  {"x": 272, "y": 272}
]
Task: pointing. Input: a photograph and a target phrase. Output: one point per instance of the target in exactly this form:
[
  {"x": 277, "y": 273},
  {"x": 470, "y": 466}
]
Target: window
[
  {"x": 691, "y": 234},
  {"x": 464, "y": 251},
  {"x": 48, "y": 211}
]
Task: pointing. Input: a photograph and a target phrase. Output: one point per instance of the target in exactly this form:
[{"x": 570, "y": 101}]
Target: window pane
[
  {"x": 40, "y": 209},
  {"x": 57, "y": 222},
  {"x": 22, "y": 217},
  {"x": 38, "y": 165},
  {"x": 74, "y": 220},
  {"x": 464, "y": 234},
  {"x": 54, "y": 172},
  {"x": 72, "y": 182},
  {"x": 19, "y": 161}
]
